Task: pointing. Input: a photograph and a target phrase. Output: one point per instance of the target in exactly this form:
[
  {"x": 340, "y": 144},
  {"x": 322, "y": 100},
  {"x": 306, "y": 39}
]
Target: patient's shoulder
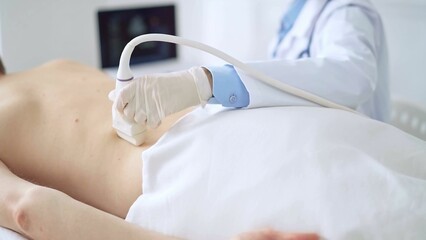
[
  {"x": 63, "y": 69},
  {"x": 65, "y": 64}
]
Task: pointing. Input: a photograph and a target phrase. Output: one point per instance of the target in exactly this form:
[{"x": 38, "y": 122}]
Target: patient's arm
[{"x": 43, "y": 213}]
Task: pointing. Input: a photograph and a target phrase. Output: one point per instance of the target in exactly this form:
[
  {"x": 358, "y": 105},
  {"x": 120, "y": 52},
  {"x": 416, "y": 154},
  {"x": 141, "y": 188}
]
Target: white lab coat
[{"x": 348, "y": 62}]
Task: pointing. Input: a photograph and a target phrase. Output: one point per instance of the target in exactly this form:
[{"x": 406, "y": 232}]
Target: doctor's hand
[
  {"x": 151, "y": 98},
  {"x": 270, "y": 234}
]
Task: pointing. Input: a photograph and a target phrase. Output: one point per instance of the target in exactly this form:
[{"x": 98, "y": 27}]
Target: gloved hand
[{"x": 149, "y": 99}]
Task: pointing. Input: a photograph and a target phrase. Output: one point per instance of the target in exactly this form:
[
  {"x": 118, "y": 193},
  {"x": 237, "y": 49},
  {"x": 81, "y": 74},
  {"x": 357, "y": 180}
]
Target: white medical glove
[{"x": 149, "y": 99}]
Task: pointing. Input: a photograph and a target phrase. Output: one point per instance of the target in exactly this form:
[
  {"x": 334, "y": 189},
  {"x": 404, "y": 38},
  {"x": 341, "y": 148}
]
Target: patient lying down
[
  {"x": 55, "y": 123},
  {"x": 214, "y": 174}
]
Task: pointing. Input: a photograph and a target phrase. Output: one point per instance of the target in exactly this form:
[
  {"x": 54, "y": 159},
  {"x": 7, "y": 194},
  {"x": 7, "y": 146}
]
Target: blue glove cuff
[{"x": 228, "y": 89}]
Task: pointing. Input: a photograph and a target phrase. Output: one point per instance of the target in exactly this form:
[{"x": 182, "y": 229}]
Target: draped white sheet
[
  {"x": 6, "y": 234},
  {"x": 219, "y": 172}
]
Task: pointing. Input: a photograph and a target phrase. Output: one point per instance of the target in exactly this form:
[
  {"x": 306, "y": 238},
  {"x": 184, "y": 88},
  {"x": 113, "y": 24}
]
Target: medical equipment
[{"x": 135, "y": 133}]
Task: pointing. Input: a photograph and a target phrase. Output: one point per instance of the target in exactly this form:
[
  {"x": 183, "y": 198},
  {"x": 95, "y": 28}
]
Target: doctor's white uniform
[{"x": 336, "y": 49}]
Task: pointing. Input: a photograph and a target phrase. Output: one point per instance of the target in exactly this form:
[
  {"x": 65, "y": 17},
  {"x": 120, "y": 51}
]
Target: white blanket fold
[
  {"x": 218, "y": 173},
  {"x": 6, "y": 234}
]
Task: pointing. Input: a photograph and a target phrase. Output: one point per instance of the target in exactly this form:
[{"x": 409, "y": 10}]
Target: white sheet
[
  {"x": 217, "y": 173},
  {"x": 6, "y": 234}
]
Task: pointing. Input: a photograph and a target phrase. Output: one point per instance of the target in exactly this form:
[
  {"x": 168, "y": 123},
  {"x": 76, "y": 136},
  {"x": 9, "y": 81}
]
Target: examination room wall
[
  {"x": 33, "y": 32},
  {"x": 405, "y": 22}
]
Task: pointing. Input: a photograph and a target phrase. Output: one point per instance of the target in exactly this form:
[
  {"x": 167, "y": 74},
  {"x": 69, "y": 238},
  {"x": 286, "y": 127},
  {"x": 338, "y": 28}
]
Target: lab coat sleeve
[
  {"x": 342, "y": 67},
  {"x": 228, "y": 89}
]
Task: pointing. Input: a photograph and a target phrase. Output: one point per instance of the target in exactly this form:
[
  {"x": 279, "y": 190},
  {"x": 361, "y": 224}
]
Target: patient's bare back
[{"x": 56, "y": 132}]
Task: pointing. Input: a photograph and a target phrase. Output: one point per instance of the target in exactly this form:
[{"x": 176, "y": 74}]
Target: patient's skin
[
  {"x": 55, "y": 123},
  {"x": 55, "y": 131}
]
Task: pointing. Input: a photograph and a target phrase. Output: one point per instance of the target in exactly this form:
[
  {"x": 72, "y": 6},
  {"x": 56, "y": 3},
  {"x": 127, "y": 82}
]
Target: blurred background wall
[{"x": 34, "y": 32}]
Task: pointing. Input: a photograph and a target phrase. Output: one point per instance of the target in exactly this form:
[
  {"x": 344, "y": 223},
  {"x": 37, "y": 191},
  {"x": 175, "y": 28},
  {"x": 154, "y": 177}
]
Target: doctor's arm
[{"x": 343, "y": 66}]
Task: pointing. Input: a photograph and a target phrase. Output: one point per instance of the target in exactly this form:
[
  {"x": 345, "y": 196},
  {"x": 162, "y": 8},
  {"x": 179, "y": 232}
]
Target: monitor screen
[{"x": 118, "y": 27}]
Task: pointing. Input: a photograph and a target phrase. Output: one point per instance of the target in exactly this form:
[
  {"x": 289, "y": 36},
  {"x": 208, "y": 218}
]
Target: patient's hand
[{"x": 269, "y": 234}]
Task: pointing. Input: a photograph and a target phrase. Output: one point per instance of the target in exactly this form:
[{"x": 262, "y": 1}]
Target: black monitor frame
[{"x": 118, "y": 26}]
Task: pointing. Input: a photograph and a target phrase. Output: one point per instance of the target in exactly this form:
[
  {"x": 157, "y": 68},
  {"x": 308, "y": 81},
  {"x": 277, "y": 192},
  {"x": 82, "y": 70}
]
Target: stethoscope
[
  {"x": 287, "y": 24},
  {"x": 307, "y": 51}
]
